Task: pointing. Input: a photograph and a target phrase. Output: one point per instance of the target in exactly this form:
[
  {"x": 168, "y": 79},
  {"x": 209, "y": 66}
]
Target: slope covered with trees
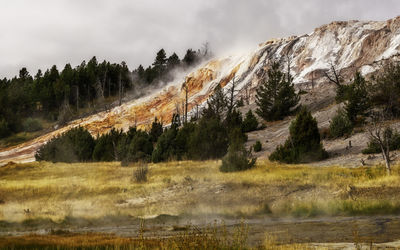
[{"x": 58, "y": 95}]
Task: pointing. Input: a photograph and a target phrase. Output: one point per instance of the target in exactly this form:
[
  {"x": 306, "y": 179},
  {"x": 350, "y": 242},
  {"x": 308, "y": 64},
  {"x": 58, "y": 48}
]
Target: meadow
[{"x": 67, "y": 197}]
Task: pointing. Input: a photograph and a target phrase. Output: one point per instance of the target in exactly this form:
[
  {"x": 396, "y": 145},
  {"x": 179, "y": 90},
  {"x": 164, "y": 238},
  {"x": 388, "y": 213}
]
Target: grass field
[
  {"x": 46, "y": 195},
  {"x": 95, "y": 190}
]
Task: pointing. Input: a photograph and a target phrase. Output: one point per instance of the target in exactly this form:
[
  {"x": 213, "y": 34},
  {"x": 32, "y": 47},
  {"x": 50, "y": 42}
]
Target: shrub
[
  {"x": 340, "y": 125},
  {"x": 257, "y": 146},
  {"x": 304, "y": 142},
  {"x": 140, "y": 147},
  {"x": 166, "y": 146},
  {"x": 394, "y": 143},
  {"x": 75, "y": 145},
  {"x": 32, "y": 125},
  {"x": 106, "y": 146},
  {"x": 237, "y": 158},
  {"x": 140, "y": 173},
  {"x": 250, "y": 123},
  {"x": 209, "y": 140}
]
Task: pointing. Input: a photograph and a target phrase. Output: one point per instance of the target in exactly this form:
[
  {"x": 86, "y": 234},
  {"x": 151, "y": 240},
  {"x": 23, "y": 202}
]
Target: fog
[{"x": 38, "y": 34}]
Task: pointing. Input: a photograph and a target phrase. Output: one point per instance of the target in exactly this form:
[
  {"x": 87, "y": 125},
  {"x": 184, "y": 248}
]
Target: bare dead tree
[
  {"x": 333, "y": 75},
  {"x": 289, "y": 77},
  {"x": 177, "y": 109},
  {"x": 77, "y": 98},
  {"x": 312, "y": 80},
  {"x": 103, "y": 83},
  {"x": 120, "y": 89},
  {"x": 247, "y": 94},
  {"x": 184, "y": 109},
  {"x": 232, "y": 91},
  {"x": 231, "y": 95},
  {"x": 186, "y": 89},
  {"x": 379, "y": 132}
]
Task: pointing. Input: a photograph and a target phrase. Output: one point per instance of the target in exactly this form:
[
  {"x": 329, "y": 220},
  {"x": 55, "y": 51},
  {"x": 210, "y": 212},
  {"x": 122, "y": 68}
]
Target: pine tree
[
  {"x": 160, "y": 63},
  {"x": 237, "y": 158},
  {"x": 304, "y": 142},
  {"x": 173, "y": 61},
  {"x": 216, "y": 104},
  {"x": 190, "y": 57},
  {"x": 250, "y": 123},
  {"x": 357, "y": 98},
  {"x": 276, "y": 97}
]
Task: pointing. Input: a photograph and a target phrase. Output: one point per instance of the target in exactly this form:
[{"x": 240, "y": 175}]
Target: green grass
[{"x": 338, "y": 208}]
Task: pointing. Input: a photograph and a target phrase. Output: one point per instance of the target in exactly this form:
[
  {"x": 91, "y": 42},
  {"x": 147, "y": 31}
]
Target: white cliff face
[{"x": 349, "y": 46}]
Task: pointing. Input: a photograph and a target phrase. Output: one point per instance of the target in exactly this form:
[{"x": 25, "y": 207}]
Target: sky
[{"x": 38, "y": 34}]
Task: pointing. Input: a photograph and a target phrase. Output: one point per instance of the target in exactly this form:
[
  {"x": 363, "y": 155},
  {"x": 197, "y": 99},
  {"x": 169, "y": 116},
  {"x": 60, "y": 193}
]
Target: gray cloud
[{"x": 38, "y": 34}]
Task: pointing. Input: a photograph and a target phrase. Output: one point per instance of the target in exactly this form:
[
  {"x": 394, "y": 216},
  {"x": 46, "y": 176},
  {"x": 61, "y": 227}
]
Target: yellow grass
[{"x": 96, "y": 190}]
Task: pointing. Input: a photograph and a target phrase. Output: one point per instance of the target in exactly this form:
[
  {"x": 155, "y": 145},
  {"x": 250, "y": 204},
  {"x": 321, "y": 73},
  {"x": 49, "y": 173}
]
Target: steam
[{"x": 134, "y": 30}]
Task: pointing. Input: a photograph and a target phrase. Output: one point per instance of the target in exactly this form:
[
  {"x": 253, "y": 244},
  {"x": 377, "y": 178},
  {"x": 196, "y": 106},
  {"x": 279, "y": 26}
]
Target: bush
[
  {"x": 304, "y": 142},
  {"x": 340, "y": 125},
  {"x": 394, "y": 143},
  {"x": 209, "y": 140},
  {"x": 140, "y": 173},
  {"x": 106, "y": 146},
  {"x": 257, "y": 146},
  {"x": 250, "y": 123},
  {"x": 166, "y": 146},
  {"x": 140, "y": 147},
  {"x": 32, "y": 125},
  {"x": 237, "y": 158},
  {"x": 75, "y": 145}
]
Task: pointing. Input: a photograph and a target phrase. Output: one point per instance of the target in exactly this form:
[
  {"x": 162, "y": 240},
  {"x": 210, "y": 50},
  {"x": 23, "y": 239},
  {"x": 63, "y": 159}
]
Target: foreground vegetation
[
  {"x": 61, "y": 196},
  {"x": 97, "y": 190}
]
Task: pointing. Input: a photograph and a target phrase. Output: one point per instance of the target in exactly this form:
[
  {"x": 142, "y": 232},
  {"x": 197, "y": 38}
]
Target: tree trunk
[
  {"x": 186, "y": 103},
  {"x": 386, "y": 157}
]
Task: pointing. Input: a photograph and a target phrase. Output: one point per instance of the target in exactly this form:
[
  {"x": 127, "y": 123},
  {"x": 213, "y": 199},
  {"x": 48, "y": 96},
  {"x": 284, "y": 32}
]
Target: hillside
[{"x": 350, "y": 46}]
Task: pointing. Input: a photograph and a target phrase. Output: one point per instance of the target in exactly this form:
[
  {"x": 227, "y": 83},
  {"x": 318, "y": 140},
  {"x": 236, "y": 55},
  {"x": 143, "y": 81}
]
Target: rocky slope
[{"x": 350, "y": 46}]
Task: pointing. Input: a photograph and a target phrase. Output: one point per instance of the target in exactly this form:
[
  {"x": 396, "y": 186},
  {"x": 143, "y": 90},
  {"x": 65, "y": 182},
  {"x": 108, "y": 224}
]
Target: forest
[{"x": 58, "y": 96}]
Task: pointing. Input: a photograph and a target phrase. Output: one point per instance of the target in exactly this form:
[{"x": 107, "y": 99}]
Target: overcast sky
[{"x": 37, "y": 34}]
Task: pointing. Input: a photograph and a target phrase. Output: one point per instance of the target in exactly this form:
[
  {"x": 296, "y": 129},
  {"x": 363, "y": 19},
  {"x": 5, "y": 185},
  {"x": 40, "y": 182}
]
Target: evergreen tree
[
  {"x": 190, "y": 57},
  {"x": 357, "y": 99},
  {"x": 233, "y": 119},
  {"x": 386, "y": 90},
  {"x": 156, "y": 130},
  {"x": 160, "y": 63},
  {"x": 276, "y": 97},
  {"x": 165, "y": 148},
  {"x": 173, "y": 61},
  {"x": 209, "y": 139},
  {"x": 216, "y": 104},
  {"x": 304, "y": 142},
  {"x": 340, "y": 125},
  {"x": 250, "y": 123},
  {"x": 237, "y": 158},
  {"x": 140, "y": 72}
]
